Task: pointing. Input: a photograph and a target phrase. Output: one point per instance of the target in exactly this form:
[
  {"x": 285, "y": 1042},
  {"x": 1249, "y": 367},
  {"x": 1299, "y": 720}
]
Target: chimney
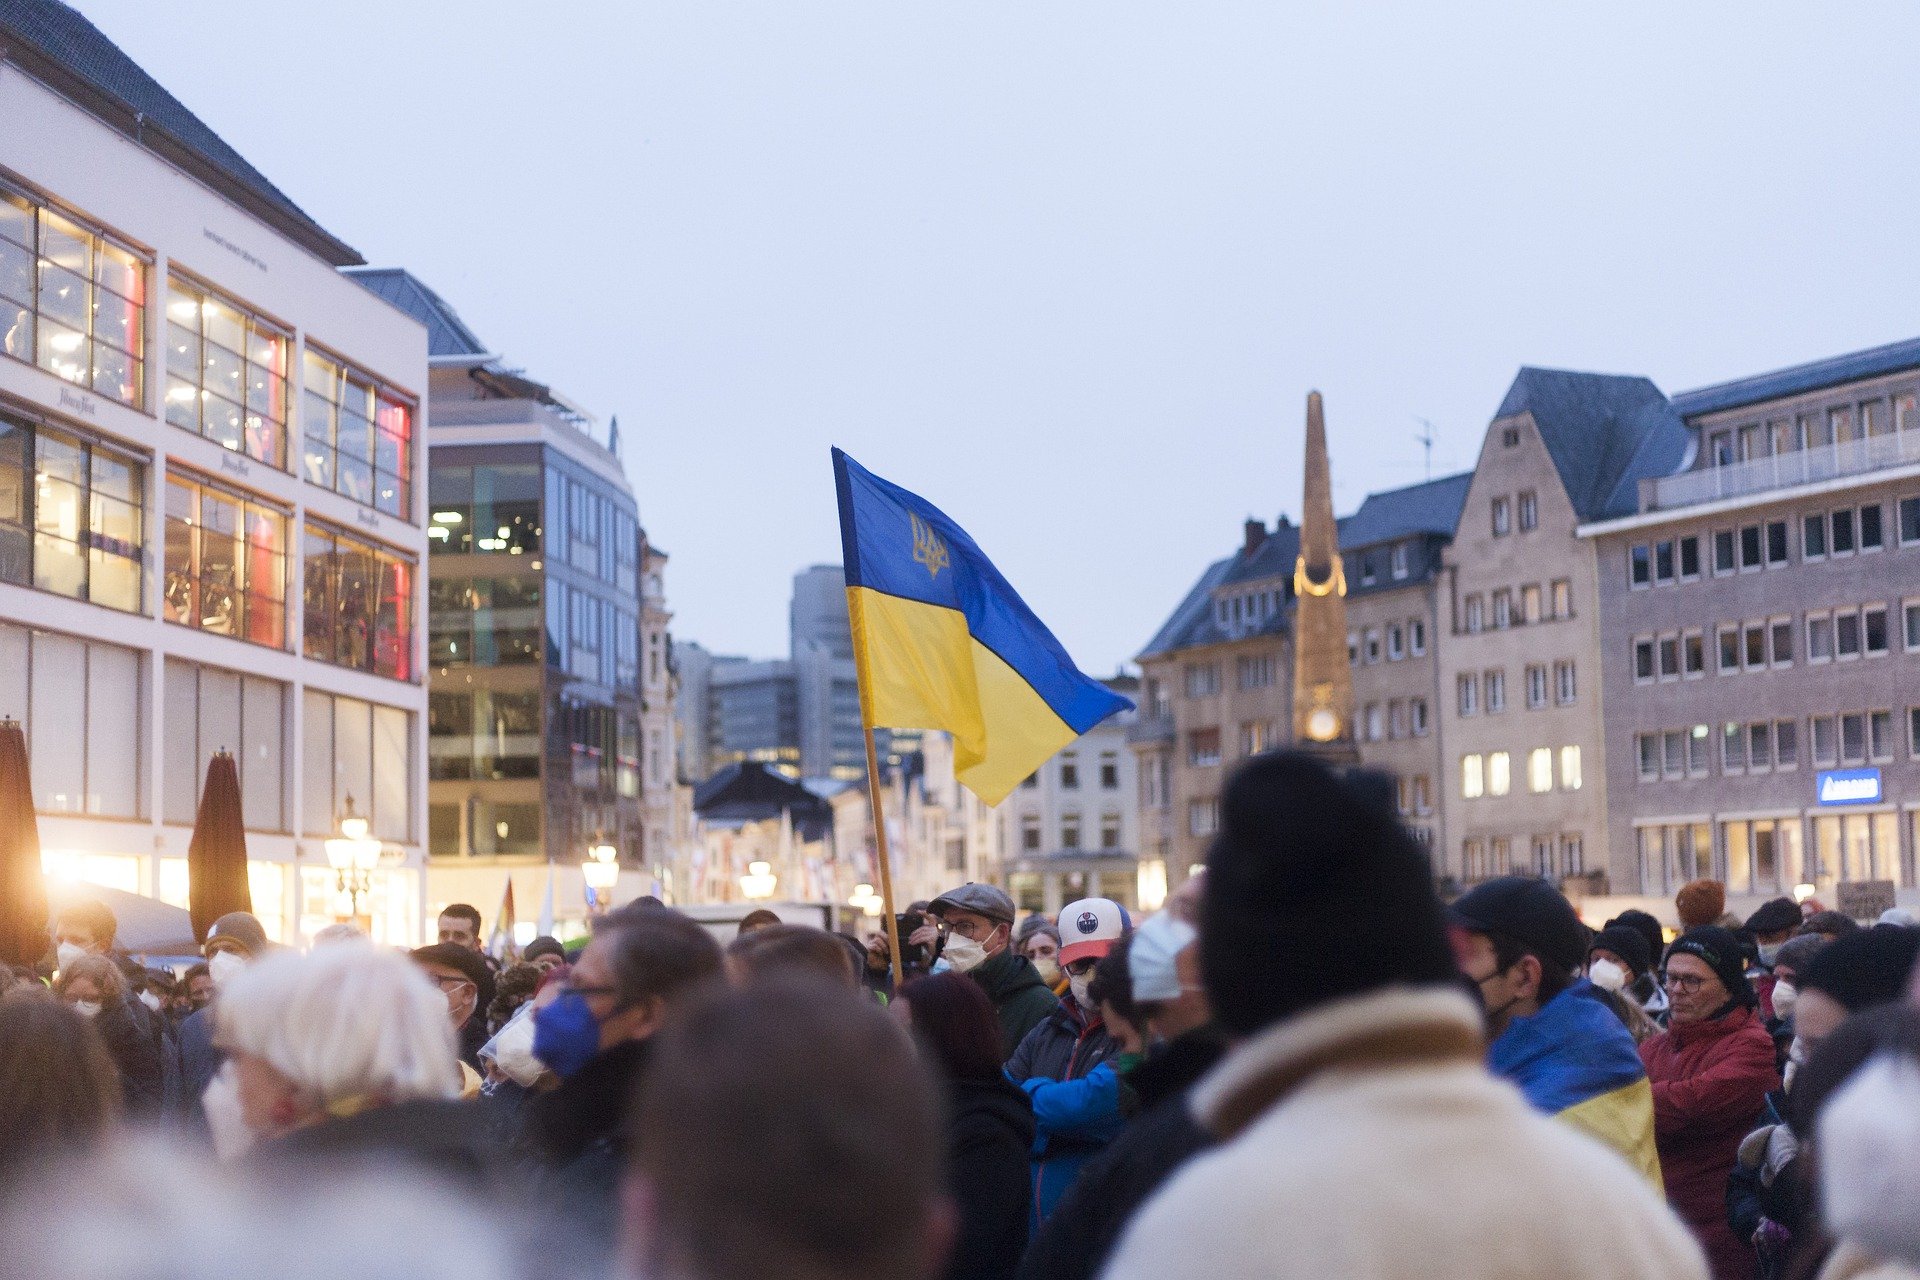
[{"x": 1256, "y": 533}]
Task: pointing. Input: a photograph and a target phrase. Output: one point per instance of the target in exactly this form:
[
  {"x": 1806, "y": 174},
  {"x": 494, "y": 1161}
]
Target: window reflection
[
  {"x": 359, "y": 437},
  {"x": 72, "y": 516},
  {"x": 225, "y": 562},
  {"x": 358, "y": 602},
  {"x": 226, "y": 373},
  {"x": 71, "y": 300}
]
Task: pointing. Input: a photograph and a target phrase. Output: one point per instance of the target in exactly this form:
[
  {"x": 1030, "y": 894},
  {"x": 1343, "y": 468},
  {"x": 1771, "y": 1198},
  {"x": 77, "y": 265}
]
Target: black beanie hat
[
  {"x": 1865, "y": 968},
  {"x": 1647, "y": 927},
  {"x": 1313, "y": 892},
  {"x": 1626, "y": 942},
  {"x": 1721, "y": 952}
]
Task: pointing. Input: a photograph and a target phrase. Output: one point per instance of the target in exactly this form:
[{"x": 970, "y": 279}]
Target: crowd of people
[{"x": 1306, "y": 1064}]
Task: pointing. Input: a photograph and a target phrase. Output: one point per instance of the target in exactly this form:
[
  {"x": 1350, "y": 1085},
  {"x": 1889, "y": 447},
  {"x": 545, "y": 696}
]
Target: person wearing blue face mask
[{"x": 642, "y": 963}]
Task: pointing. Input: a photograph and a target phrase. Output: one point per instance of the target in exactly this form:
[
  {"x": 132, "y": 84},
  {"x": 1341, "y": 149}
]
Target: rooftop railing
[{"x": 1781, "y": 471}]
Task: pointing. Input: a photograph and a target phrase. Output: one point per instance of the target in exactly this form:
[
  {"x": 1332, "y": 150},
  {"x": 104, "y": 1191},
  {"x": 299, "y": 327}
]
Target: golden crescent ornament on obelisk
[{"x": 1322, "y": 676}]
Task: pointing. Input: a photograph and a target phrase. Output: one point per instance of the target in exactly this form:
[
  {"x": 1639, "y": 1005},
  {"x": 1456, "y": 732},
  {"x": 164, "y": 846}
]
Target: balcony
[
  {"x": 1151, "y": 729},
  {"x": 1781, "y": 471},
  {"x": 490, "y": 413}
]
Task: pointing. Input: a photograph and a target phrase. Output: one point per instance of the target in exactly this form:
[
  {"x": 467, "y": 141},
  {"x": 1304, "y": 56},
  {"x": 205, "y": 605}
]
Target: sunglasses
[{"x": 1083, "y": 966}]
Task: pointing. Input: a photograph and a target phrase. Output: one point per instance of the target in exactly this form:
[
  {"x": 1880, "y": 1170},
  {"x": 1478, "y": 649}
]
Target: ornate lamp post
[
  {"x": 759, "y": 882},
  {"x": 353, "y": 856}
]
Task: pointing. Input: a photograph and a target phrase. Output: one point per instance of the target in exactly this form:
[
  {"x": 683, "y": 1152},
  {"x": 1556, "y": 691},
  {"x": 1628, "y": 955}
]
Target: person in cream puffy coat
[{"x": 1362, "y": 1136}]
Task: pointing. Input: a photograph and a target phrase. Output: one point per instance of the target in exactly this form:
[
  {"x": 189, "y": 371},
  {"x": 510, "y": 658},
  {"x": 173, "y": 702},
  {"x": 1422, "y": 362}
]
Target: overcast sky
[{"x": 1069, "y": 269}]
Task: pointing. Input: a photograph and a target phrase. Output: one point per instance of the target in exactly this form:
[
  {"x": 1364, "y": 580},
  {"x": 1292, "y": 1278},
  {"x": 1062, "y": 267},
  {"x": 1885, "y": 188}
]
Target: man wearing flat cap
[{"x": 976, "y": 928}]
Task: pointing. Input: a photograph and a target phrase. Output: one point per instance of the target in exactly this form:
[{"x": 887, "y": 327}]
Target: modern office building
[
  {"x": 538, "y": 663},
  {"x": 211, "y": 526},
  {"x": 1759, "y": 630},
  {"x": 799, "y": 714},
  {"x": 1217, "y": 678}
]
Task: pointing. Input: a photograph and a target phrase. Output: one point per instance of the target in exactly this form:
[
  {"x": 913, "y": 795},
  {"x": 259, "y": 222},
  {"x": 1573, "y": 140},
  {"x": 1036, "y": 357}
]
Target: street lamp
[
  {"x": 601, "y": 871},
  {"x": 353, "y": 856},
  {"x": 759, "y": 881},
  {"x": 865, "y": 900}
]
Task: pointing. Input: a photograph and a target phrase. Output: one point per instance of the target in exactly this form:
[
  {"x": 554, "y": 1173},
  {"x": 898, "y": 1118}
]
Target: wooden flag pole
[{"x": 880, "y": 844}]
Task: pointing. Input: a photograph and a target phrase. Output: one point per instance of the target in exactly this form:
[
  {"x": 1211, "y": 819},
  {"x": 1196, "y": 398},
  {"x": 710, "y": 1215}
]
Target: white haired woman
[{"x": 343, "y": 1053}]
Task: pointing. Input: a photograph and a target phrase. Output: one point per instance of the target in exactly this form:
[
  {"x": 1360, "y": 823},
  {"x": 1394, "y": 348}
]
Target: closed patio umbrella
[
  {"x": 23, "y": 888},
  {"x": 217, "y": 855}
]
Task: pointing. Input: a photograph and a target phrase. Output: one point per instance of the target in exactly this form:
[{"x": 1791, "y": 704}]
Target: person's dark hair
[
  {"x": 95, "y": 917},
  {"x": 1883, "y": 1028},
  {"x": 1113, "y": 984},
  {"x": 59, "y": 1088},
  {"x": 198, "y": 969},
  {"x": 543, "y": 946},
  {"x": 656, "y": 953},
  {"x": 515, "y": 986},
  {"x": 1834, "y": 924},
  {"x": 956, "y": 1023},
  {"x": 786, "y": 948},
  {"x": 758, "y": 918},
  {"x": 103, "y": 973},
  {"x": 1313, "y": 893},
  {"x": 1649, "y": 928},
  {"x": 1507, "y": 953},
  {"x": 462, "y": 911},
  {"x": 783, "y": 1129}
]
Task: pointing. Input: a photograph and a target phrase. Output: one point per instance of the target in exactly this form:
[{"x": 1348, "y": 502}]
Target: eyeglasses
[
  {"x": 581, "y": 990},
  {"x": 450, "y": 982},
  {"x": 1685, "y": 982},
  {"x": 1083, "y": 966}
]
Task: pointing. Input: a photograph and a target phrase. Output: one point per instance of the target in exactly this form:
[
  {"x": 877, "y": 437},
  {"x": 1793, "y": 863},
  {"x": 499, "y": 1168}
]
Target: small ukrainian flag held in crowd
[{"x": 941, "y": 640}]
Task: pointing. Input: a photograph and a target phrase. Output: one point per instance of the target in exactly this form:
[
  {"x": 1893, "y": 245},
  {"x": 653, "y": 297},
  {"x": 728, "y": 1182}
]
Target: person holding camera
[{"x": 974, "y": 934}]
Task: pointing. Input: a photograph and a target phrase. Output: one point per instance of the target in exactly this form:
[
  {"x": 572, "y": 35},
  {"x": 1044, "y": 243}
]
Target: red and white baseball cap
[{"x": 1090, "y": 927}]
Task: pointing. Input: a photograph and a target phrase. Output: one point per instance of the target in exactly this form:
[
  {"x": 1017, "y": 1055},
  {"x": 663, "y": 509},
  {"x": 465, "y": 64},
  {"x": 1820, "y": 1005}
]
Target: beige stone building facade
[
  {"x": 1519, "y": 661},
  {"x": 1216, "y": 681}
]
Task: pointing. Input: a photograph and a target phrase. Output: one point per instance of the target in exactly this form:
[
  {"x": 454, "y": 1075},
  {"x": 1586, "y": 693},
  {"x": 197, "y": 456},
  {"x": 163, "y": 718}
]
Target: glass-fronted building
[
  {"x": 536, "y": 741},
  {"x": 211, "y": 537}
]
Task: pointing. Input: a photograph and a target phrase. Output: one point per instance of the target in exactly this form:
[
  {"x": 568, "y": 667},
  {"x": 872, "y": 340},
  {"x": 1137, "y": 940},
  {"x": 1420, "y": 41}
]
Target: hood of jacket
[{"x": 1005, "y": 974}]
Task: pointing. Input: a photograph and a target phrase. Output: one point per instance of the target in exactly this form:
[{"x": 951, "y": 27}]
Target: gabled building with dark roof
[{"x": 1217, "y": 675}]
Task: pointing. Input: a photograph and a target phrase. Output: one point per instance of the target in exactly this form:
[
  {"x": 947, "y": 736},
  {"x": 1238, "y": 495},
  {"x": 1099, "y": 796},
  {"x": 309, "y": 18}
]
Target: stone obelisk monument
[{"x": 1322, "y": 678}]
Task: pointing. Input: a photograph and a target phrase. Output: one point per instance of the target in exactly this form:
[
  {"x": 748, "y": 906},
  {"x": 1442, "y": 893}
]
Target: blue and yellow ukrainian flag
[
  {"x": 1577, "y": 1062},
  {"x": 942, "y": 642}
]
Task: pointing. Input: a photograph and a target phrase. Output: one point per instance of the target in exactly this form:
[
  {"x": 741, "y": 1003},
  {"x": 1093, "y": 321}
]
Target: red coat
[{"x": 1710, "y": 1080}]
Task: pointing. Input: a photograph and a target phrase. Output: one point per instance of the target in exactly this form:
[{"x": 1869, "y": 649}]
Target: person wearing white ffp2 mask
[{"x": 233, "y": 942}]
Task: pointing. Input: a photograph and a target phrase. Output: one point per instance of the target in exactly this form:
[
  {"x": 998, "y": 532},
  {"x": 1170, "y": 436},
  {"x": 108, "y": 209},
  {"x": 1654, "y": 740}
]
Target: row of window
[
  {"x": 1841, "y": 738},
  {"x": 1832, "y": 535},
  {"x": 1535, "y": 604},
  {"x": 1487, "y": 690},
  {"x": 73, "y": 302},
  {"x": 1399, "y": 559},
  {"x": 1070, "y": 833},
  {"x": 1068, "y": 763},
  {"x": 1526, "y": 503},
  {"x": 1491, "y": 773},
  {"x": 1398, "y": 718},
  {"x": 484, "y": 510},
  {"x": 1397, "y": 640},
  {"x": 1205, "y": 746},
  {"x": 1832, "y": 635},
  {"x": 1839, "y": 424},
  {"x": 1770, "y": 855},
  {"x": 1554, "y": 856}
]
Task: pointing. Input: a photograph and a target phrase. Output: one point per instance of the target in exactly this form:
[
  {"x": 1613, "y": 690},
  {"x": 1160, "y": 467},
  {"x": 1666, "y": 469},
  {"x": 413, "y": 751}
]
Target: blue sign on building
[{"x": 1848, "y": 786}]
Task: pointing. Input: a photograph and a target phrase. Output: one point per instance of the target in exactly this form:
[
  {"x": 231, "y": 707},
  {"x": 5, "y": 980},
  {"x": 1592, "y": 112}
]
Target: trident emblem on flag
[{"x": 927, "y": 547}]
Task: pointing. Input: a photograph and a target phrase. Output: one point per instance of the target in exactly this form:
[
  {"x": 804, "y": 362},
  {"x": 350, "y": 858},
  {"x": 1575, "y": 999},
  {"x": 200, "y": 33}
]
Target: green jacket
[{"x": 1020, "y": 997}]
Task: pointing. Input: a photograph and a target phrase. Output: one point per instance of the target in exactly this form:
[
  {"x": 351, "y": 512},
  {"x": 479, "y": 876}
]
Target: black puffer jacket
[
  {"x": 990, "y": 1135},
  {"x": 1076, "y": 1240}
]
